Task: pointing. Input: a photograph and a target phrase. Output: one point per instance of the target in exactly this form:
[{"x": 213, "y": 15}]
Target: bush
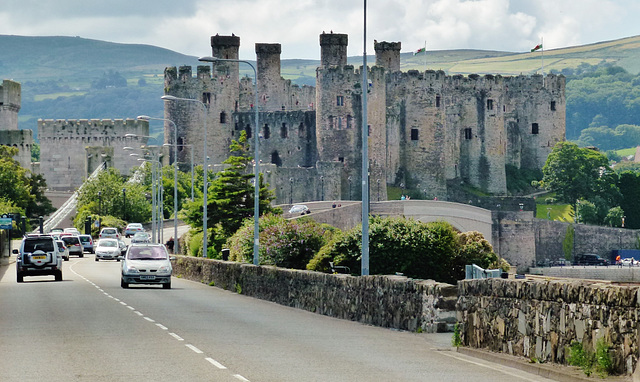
[
  {"x": 588, "y": 360},
  {"x": 283, "y": 243}
]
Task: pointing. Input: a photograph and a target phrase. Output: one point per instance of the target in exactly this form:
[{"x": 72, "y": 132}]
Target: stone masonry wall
[
  {"x": 386, "y": 301},
  {"x": 540, "y": 319}
]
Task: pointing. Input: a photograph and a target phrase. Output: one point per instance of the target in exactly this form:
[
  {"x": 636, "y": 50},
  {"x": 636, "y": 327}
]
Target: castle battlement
[
  {"x": 95, "y": 128},
  {"x": 427, "y": 129}
]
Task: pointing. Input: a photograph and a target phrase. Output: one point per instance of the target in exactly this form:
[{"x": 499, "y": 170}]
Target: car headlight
[
  {"x": 165, "y": 269},
  {"x": 130, "y": 269}
]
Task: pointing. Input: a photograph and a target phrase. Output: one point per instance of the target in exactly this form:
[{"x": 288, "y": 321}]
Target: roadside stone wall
[
  {"x": 385, "y": 301},
  {"x": 541, "y": 318}
]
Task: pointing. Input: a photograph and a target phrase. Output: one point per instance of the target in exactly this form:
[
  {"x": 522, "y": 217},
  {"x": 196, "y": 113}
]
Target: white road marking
[
  {"x": 149, "y": 319},
  {"x": 131, "y": 307},
  {"x": 123, "y": 303},
  {"x": 503, "y": 369},
  {"x": 117, "y": 299},
  {"x": 138, "y": 313},
  {"x": 195, "y": 349},
  {"x": 162, "y": 326},
  {"x": 238, "y": 376},
  {"x": 177, "y": 337},
  {"x": 216, "y": 363}
]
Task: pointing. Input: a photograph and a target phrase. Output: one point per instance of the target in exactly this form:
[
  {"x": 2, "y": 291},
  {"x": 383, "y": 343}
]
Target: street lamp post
[
  {"x": 99, "y": 210},
  {"x": 322, "y": 187},
  {"x": 365, "y": 155},
  {"x": 291, "y": 191},
  {"x": 256, "y": 157},
  {"x": 175, "y": 178},
  {"x": 205, "y": 201},
  {"x": 124, "y": 204}
]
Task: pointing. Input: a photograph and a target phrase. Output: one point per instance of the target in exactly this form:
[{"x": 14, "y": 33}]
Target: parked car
[
  {"x": 87, "y": 242},
  {"x": 629, "y": 262},
  {"x": 108, "y": 249},
  {"x": 141, "y": 237},
  {"x": 146, "y": 264},
  {"x": 64, "y": 252},
  {"x": 109, "y": 233},
  {"x": 38, "y": 255},
  {"x": 299, "y": 209},
  {"x": 590, "y": 259},
  {"x": 132, "y": 229},
  {"x": 73, "y": 245}
]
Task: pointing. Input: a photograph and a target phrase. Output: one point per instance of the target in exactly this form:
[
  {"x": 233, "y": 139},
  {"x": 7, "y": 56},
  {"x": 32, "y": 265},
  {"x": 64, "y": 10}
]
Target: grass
[
  {"x": 561, "y": 212},
  {"x": 626, "y": 152},
  {"x": 41, "y": 97}
]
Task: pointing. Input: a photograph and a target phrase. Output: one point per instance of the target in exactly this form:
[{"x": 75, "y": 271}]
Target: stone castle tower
[
  {"x": 10, "y": 103},
  {"x": 427, "y": 130}
]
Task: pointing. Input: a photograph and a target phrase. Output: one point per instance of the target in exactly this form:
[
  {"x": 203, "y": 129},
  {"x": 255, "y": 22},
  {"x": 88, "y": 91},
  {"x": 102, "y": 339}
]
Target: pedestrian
[{"x": 169, "y": 244}]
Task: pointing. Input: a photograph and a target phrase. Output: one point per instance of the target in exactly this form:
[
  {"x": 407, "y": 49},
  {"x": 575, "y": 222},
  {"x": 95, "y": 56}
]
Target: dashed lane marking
[
  {"x": 216, "y": 363},
  {"x": 195, "y": 349}
]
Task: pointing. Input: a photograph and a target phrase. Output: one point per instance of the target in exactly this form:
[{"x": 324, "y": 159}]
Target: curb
[{"x": 555, "y": 372}]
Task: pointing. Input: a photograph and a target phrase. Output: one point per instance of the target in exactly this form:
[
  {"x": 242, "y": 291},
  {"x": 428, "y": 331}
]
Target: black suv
[
  {"x": 38, "y": 255},
  {"x": 590, "y": 259}
]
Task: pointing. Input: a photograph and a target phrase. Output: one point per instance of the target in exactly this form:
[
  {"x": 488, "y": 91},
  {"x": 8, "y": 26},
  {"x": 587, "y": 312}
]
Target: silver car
[
  {"x": 108, "y": 249},
  {"x": 64, "y": 252},
  {"x": 147, "y": 264}
]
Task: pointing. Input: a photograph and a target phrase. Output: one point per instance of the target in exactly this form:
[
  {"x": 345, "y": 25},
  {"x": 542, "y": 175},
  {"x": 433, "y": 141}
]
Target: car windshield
[
  {"x": 108, "y": 243},
  {"x": 147, "y": 253},
  {"x": 38, "y": 245},
  {"x": 70, "y": 240},
  {"x": 109, "y": 231},
  {"x": 85, "y": 239},
  {"x": 60, "y": 245}
]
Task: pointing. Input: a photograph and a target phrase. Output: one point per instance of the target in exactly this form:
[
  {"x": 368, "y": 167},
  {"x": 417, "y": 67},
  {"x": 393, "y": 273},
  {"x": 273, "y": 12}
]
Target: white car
[
  {"x": 62, "y": 248},
  {"x": 72, "y": 230},
  {"x": 108, "y": 249},
  {"x": 299, "y": 209},
  {"x": 147, "y": 264},
  {"x": 109, "y": 233},
  {"x": 629, "y": 261},
  {"x": 132, "y": 229}
]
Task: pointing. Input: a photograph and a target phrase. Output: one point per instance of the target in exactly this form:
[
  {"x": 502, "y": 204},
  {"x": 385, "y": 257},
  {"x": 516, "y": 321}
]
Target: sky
[{"x": 185, "y": 26}]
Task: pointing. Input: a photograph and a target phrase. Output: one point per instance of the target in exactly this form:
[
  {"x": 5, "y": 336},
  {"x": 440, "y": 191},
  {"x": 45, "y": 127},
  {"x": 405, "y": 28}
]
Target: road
[{"x": 87, "y": 328}]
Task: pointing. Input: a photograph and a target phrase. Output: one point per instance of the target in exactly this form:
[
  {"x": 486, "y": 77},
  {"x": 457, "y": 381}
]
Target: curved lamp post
[
  {"x": 204, "y": 166},
  {"x": 256, "y": 158}
]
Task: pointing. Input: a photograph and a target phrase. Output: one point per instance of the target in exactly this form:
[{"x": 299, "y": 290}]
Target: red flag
[{"x": 537, "y": 47}]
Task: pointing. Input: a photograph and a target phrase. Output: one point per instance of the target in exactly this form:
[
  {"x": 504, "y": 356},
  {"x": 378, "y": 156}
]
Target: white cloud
[{"x": 509, "y": 25}]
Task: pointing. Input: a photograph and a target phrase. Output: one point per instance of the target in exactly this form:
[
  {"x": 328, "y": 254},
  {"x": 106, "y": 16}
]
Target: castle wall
[
  {"x": 23, "y": 141},
  {"x": 63, "y": 147}
]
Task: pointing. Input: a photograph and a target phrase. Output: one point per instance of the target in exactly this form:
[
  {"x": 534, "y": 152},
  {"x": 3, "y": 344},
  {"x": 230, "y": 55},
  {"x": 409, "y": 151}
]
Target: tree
[
  {"x": 629, "y": 184},
  {"x": 578, "y": 173},
  {"x": 14, "y": 181},
  {"x": 231, "y": 195}
]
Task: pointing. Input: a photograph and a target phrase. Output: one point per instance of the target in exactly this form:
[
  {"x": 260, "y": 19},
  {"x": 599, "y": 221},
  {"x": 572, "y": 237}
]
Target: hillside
[{"x": 68, "y": 77}]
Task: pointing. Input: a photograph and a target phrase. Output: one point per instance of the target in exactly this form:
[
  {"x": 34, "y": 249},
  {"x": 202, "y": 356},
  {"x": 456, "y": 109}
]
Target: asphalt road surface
[{"x": 87, "y": 328}]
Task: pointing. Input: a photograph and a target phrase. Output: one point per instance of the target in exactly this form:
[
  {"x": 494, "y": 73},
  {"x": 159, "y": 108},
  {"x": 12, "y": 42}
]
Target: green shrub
[
  {"x": 283, "y": 243},
  {"x": 457, "y": 338},
  {"x": 195, "y": 244},
  {"x": 587, "y": 360}
]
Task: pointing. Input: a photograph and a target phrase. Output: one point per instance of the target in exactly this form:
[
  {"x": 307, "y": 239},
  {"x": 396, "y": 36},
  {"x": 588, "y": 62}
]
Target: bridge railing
[{"x": 70, "y": 205}]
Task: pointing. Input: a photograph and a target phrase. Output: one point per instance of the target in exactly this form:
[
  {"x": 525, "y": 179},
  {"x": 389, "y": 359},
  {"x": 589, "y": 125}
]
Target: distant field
[
  {"x": 41, "y": 97},
  {"x": 561, "y": 212},
  {"x": 626, "y": 152}
]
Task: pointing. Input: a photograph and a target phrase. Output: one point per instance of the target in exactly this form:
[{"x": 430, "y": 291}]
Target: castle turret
[
  {"x": 270, "y": 89},
  {"x": 388, "y": 55},
  {"x": 333, "y": 49},
  {"x": 9, "y": 105}
]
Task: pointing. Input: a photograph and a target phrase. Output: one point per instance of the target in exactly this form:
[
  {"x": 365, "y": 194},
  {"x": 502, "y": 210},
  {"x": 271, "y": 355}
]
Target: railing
[
  {"x": 69, "y": 206},
  {"x": 475, "y": 272}
]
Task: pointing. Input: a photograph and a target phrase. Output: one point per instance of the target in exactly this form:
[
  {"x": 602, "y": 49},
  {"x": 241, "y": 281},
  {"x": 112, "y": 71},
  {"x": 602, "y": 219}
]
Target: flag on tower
[
  {"x": 537, "y": 47},
  {"x": 421, "y": 50}
]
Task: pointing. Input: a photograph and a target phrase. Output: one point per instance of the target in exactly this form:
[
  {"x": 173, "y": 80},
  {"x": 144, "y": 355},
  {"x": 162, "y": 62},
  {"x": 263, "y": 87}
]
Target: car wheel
[
  {"x": 20, "y": 278},
  {"x": 66, "y": 258},
  {"x": 58, "y": 276},
  {"x": 97, "y": 258},
  {"x": 118, "y": 259},
  {"x": 81, "y": 255},
  {"x": 123, "y": 284},
  {"x": 167, "y": 285}
]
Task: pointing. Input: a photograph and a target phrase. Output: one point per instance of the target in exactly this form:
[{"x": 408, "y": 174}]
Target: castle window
[
  {"x": 275, "y": 159},
  {"x": 331, "y": 123},
  {"x": 266, "y": 131},
  {"x": 553, "y": 105},
  {"x": 339, "y": 122},
  {"x": 437, "y": 101},
  {"x": 368, "y": 130},
  {"x": 340, "y": 101},
  {"x": 206, "y": 98},
  {"x": 341, "y": 159},
  {"x": 223, "y": 117},
  {"x": 489, "y": 104},
  {"x": 283, "y": 130},
  {"x": 534, "y": 128},
  {"x": 237, "y": 126},
  {"x": 248, "y": 130},
  {"x": 301, "y": 130},
  {"x": 414, "y": 134},
  {"x": 180, "y": 144},
  {"x": 468, "y": 134},
  {"x": 349, "y": 121}
]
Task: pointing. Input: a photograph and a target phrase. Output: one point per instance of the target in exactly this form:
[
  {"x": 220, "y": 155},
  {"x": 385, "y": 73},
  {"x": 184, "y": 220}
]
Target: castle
[
  {"x": 428, "y": 131},
  {"x": 10, "y": 102}
]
